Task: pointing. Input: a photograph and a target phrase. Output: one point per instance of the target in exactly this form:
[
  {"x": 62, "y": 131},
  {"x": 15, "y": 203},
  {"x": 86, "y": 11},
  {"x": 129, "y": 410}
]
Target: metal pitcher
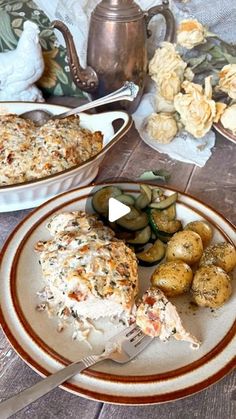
[{"x": 117, "y": 47}]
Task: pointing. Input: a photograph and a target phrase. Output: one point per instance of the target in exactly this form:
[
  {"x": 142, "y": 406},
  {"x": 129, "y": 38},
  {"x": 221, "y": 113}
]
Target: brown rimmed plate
[
  {"x": 164, "y": 371},
  {"x": 225, "y": 132}
]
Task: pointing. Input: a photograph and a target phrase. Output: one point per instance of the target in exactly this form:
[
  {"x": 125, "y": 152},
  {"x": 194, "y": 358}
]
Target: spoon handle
[{"x": 127, "y": 92}]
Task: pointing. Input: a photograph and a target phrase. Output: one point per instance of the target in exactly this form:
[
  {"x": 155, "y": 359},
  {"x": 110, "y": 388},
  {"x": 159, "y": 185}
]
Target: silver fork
[{"x": 121, "y": 348}]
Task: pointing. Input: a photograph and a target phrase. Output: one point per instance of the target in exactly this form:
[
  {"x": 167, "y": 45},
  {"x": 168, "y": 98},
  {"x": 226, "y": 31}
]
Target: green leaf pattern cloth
[{"x": 56, "y": 79}]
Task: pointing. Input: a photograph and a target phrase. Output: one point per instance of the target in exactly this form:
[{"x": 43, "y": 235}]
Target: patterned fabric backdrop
[
  {"x": 220, "y": 16},
  {"x": 56, "y": 79}
]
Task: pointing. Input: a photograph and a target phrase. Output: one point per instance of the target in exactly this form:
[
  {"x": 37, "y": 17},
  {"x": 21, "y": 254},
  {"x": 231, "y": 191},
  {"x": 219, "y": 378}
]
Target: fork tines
[{"x": 135, "y": 336}]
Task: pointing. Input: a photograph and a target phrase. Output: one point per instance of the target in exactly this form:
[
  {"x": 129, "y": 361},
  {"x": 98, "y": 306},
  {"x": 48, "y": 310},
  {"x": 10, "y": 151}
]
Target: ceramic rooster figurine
[{"x": 22, "y": 67}]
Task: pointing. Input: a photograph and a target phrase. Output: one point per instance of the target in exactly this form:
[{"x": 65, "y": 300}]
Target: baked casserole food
[
  {"x": 88, "y": 273},
  {"x": 28, "y": 152}
]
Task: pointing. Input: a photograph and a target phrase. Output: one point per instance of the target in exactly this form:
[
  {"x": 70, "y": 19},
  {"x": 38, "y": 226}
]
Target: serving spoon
[{"x": 127, "y": 92}]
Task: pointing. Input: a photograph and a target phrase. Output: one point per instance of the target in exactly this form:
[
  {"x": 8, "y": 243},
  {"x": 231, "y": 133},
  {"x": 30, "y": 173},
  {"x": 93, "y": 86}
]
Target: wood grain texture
[
  {"x": 112, "y": 166},
  {"x": 144, "y": 158},
  {"x": 215, "y": 184},
  {"x": 56, "y": 404},
  {"x": 215, "y": 402},
  {"x": 8, "y": 222},
  {"x": 135, "y": 157}
]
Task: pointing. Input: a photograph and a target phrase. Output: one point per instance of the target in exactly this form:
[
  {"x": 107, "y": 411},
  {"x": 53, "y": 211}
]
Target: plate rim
[
  {"x": 97, "y": 374},
  {"x": 224, "y": 132},
  {"x": 157, "y": 398}
]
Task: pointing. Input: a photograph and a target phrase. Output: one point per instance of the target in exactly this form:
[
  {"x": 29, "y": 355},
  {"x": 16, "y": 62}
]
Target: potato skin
[
  {"x": 211, "y": 286},
  {"x": 220, "y": 254},
  {"x": 173, "y": 278},
  {"x": 202, "y": 228},
  {"x": 185, "y": 245}
]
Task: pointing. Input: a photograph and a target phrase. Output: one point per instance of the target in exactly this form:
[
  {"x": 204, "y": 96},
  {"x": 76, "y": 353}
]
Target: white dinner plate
[
  {"x": 33, "y": 193},
  {"x": 225, "y": 132},
  {"x": 164, "y": 371}
]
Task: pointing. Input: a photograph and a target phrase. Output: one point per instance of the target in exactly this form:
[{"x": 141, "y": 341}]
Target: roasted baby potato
[
  {"x": 202, "y": 228},
  {"x": 186, "y": 246},
  {"x": 211, "y": 286},
  {"x": 173, "y": 278},
  {"x": 220, "y": 254}
]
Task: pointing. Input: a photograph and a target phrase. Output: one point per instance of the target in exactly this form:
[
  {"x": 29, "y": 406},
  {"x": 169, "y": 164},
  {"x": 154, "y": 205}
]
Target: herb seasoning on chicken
[
  {"x": 158, "y": 317},
  {"x": 87, "y": 272}
]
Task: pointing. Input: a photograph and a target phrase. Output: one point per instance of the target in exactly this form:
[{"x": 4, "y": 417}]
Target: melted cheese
[
  {"x": 28, "y": 152},
  {"x": 86, "y": 269}
]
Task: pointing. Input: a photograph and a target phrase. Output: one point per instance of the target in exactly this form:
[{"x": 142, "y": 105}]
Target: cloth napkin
[
  {"x": 184, "y": 147},
  {"x": 219, "y": 16}
]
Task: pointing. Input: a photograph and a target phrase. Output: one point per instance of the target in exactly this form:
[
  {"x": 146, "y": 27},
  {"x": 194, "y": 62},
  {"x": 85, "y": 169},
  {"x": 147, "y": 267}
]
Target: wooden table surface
[{"x": 214, "y": 184}]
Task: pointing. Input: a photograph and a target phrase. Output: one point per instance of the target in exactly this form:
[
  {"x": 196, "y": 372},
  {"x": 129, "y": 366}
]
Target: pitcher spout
[{"x": 85, "y": 78}]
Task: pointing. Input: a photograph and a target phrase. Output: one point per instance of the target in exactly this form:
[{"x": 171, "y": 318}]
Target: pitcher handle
[{"x": 163, "y": 10}]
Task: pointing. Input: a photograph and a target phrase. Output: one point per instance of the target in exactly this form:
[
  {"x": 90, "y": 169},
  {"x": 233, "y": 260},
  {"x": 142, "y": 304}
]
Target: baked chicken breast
[
  {"x": 158, "y": 317},
  {"x": 88, "y": 273}
]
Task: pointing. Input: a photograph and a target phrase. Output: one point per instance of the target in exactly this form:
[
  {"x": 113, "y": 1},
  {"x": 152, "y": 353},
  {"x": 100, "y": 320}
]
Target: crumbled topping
[{"x": 28, "y": 152}]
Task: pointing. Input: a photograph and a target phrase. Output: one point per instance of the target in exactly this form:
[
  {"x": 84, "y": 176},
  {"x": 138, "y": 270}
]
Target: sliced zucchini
[
  {"x": 160, "y": 223},
  {"x": 101, "y": 197},
  {"x": 153, "y": 236},
  {"x": 153, "y": 255},
  {"x": 165, "y": 203},
  {"x": 170, "y": 212},
  {"x": 164, "y": 237},
  {"x": 142, "y": 236},
  {"x": 136, "y": 247},
  {"x": 156, "y": 193},
  {"x": 134, "y": 220},
  {"x": 145, "y": 197},
  {"x": 125, "y": 235},
  {"x": 126, "y": 199},
  {"x": 134, "y": 213}
]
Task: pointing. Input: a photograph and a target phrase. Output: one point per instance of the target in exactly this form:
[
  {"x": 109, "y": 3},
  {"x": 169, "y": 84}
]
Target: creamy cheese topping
[
  {"x": 28, "y": 152},
  {"x": 87, "y": 272}
]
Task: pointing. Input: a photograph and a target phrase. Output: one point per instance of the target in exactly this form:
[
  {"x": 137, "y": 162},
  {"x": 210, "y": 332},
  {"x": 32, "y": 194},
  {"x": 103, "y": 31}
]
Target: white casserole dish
[{"x": 33, "y": 193}]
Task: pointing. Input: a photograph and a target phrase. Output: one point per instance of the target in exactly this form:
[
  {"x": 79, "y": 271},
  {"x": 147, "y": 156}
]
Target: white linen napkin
[{"x": 184, "y": 147}]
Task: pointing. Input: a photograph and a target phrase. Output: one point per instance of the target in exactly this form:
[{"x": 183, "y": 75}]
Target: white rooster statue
[{"x": 22, "y": 67}]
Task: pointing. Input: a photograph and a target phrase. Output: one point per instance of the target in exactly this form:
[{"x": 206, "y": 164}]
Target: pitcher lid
[{"x": 119, "y": 10}]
